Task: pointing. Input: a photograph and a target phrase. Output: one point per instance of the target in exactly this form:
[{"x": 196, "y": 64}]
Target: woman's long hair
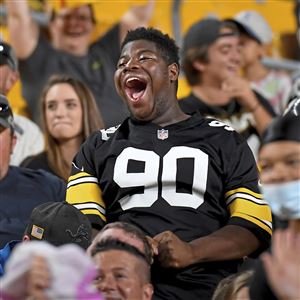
[{"x": 92, "y": 121}]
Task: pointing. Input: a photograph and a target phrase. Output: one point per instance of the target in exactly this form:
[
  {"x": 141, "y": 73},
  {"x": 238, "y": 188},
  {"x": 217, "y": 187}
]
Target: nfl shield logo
[{"x": 162, "y": 134}]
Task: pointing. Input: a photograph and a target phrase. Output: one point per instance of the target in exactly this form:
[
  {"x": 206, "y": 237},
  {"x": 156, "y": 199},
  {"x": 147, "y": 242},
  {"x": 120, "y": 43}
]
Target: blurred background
[{"x": 174, "y": 17}]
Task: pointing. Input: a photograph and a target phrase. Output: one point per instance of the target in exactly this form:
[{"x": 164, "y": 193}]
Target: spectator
[
  {"x": 256, "y": 37},
  {"x": 127, "y": 233},
  {"x": 279, "y": 159},
  {"x": 233, "y": 287},
  {"x": 21, "y": 189},
  {"x": 30, "y": 140},
  {"x": 123, "y": 272},
  {"x": 187, "y": 182},
  {"x": 211, "y": 62},
  {"x": 58, "y": 223},
  {"x": 38, "y": 270},
  {"x": 69, "y": 116},
  {"x": 70, "y": 53}
]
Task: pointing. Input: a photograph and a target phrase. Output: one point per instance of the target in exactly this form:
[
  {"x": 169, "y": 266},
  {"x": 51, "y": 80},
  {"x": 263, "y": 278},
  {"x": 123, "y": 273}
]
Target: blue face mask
[{"x": 284, "y": 199}]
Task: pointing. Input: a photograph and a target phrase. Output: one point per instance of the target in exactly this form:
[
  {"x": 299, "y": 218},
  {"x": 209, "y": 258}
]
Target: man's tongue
[{"x": 137, "y": 95}]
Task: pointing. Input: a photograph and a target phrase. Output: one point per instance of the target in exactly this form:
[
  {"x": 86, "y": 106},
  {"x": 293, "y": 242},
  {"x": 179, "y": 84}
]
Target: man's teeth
[{"x": 131, "y": 79}]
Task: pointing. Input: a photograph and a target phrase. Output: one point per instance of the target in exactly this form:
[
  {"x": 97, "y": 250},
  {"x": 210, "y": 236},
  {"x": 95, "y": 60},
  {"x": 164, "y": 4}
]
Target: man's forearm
[{"x": 229, "y": 242}]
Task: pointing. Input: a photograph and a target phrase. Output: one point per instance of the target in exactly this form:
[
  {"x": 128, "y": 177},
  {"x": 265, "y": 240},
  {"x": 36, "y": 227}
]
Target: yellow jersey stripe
[
  {"x": 85, "y": 193},
  {"x": 78, "y": 175},
  {"x": 259, "y": 223},
  {"x": 245, "y": 197},
  {"x": 93, "y": 212},
  {"x": 262, "y": 212},
  {"x": 244, "y": 190}
]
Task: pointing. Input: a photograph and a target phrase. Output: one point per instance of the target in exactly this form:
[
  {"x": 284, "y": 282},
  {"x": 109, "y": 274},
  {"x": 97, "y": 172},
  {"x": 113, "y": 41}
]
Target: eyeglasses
[{"x": 78, "y": 18}]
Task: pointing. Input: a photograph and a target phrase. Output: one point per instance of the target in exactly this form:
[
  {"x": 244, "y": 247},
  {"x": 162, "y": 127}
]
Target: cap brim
[
  {"x": 244, "y": 29},
  {"x": 13, "y": 126},
  {"x": 4, "y": 123},
  {"x": 18, "y": 129}
]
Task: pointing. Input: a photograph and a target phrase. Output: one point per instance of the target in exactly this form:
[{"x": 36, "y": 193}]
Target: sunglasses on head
[{"x": 4, "y": 108}]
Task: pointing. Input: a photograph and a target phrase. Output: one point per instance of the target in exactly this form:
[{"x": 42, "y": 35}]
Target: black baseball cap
[
  {"x": 7, "y": 56},
  {"x": 205, "y": 32},
  {"x": 6, "y": 115},
  {"x": 59, "y": 223},
  {"x": 285, "y": 127}
]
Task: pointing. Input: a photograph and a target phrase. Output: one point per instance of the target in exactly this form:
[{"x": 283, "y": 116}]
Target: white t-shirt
[
  {"x": 29, "y": 143},
  {"x": 276, "y": 88}
]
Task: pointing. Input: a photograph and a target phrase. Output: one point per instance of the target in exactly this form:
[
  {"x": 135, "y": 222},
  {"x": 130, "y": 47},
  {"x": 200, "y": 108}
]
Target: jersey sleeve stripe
[
  {"x": 79, "y": 175},
  {"x": 86, "y": 194},
  {"x": 250, "y": 208},
  {"x": 265, "y": 225},
  {"x": 82, "y": 180},
  {"x": 243, "y": 190},
  {"x": 246, "y": 197},
  {"x": 90, "y": 206},
  {"x": 93, "y": 212}
]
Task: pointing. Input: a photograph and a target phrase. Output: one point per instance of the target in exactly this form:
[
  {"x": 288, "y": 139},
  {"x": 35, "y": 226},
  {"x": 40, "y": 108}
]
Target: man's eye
[
  {"x": 120, "y": 276},
  {"x": 98, "y": 279},
  {"x": 225, "y": 51},
  {"x": 293, "y": 162},
  {"x": 143, "y": 58},
  {"x": 121, "y": 64},
  {"x": 265, "y": 167}
]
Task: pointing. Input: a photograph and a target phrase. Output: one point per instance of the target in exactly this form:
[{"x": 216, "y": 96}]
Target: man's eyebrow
[
  {"x": 120, "y": 269},
  {"x": 141, "y": 51}
]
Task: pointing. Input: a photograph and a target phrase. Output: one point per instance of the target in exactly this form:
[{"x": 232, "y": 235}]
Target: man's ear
[
  {"x": 173, "y": 71},
  {"x": 147, "y": 291},
  {"x": 199, "y": 65},
  {"x": 26, "y": 238}
]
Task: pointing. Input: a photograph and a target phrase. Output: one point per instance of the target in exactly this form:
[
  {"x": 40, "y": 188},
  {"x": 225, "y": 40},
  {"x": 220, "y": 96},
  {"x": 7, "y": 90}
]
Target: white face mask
[{"x": 284, "y": 199}]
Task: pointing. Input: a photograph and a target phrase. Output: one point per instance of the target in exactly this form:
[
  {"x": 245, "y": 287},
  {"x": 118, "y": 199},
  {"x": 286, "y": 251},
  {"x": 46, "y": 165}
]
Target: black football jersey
[{"x": 191, "y": 178}]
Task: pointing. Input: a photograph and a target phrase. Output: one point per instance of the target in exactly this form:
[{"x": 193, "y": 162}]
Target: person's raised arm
[
  {"x": 23, "y": 31},
  {"x": 136, "y": 16}
]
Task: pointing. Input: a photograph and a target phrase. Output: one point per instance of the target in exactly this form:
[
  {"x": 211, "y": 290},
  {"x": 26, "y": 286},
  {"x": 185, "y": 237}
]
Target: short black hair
[
  {"x": 132, "y": 230},
  {"x": 164, "y": 43},
  {"x": 114, "y": 244}
]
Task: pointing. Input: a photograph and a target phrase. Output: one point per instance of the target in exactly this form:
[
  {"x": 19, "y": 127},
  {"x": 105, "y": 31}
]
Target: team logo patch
[
  {"x": 162, "y": 134},
  {"x": 37, "y": 232}
]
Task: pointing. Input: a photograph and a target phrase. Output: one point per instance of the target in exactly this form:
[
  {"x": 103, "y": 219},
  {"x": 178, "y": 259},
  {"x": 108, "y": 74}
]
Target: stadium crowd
[{"x": 117, "y": 189}]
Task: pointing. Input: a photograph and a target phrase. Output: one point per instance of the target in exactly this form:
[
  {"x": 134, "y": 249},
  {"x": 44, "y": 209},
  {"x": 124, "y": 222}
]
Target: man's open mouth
[{"x": 135, "y": 88}]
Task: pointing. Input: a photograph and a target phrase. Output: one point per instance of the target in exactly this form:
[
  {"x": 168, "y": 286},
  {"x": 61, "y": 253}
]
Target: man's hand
[
  {"x": 138, "y": 15},
  {"x": 239, "y": 88},
  {"x": 283, "y": 265},
  {"x": 172, "y": 251},
  {"x": 38, "y": 279}
]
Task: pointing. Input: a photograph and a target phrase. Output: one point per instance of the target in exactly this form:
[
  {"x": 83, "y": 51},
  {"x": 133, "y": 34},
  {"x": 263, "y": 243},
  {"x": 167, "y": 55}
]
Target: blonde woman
[{"x": 69, "y": 116}]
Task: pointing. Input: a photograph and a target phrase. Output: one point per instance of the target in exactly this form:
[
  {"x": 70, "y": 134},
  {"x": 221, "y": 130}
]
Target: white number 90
[{"x": 149, "y": 178}]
